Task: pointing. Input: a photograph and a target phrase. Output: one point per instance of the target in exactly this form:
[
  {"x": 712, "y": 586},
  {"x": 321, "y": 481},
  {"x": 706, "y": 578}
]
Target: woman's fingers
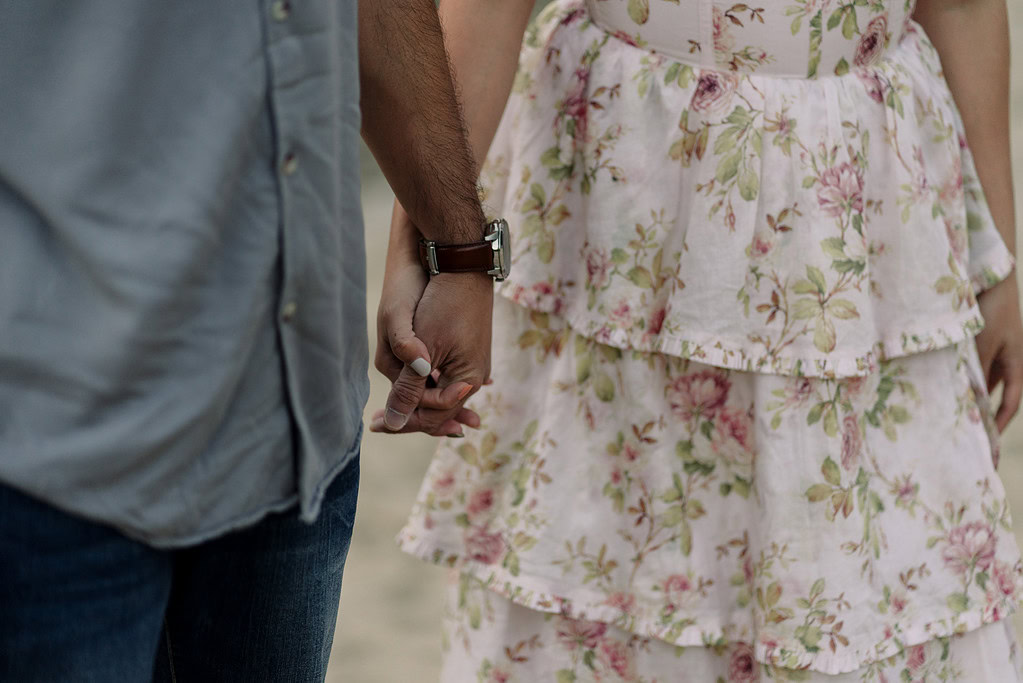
[{"x": 1010, "y": 371}]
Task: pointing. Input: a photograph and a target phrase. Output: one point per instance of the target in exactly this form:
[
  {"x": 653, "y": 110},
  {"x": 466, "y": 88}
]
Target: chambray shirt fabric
[{"x": 182, "y": 270}]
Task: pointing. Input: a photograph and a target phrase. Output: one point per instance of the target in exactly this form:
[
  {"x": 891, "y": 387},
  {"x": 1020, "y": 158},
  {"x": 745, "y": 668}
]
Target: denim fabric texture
[{"x": 81, "y": 602}]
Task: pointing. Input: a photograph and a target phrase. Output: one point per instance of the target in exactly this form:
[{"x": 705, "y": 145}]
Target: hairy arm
[
  {"x": 972, "y": 38},
  {"x": 411, "y": 120}
]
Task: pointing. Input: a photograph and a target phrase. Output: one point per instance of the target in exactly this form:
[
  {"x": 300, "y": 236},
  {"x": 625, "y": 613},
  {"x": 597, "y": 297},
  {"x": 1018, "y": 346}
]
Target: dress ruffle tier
[
  {"x": 736, "y": 396},
  {"x": 785, "y": 225},
  {"x": 829, "y": 523}
]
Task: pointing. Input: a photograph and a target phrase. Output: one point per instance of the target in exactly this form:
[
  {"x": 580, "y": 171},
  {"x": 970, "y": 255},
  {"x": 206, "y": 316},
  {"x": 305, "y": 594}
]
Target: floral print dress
[{"x": 738, "y": 429}]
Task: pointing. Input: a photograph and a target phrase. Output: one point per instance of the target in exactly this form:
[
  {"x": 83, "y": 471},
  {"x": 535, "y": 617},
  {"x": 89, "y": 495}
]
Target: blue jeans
[{"x": 81, "y": 602}]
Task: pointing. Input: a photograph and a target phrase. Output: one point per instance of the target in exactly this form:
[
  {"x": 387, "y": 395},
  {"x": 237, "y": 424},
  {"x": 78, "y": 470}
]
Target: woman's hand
[{"x": 1000, "y": 346}]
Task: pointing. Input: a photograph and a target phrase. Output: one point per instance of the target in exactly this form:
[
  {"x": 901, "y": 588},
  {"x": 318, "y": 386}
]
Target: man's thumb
[{"x": 407, "y": 390}]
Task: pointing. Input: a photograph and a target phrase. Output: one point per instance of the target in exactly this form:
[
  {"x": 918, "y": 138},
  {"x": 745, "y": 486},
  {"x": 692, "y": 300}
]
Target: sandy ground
[{"x": 389, "y": 624}]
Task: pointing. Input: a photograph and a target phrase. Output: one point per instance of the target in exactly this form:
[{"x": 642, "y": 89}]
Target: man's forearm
[
  {"x": 411, "y": 120},
  {"x": 972, "y": 38}
]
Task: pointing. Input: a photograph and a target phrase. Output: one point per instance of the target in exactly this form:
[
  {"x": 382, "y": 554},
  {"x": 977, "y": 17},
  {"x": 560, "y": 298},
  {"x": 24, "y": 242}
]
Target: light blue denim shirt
[{"x": 182, "y": 269}]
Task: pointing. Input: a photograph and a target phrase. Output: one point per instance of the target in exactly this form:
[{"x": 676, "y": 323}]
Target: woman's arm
[
  {"x": 483, "y": 38},
  {"x": 972, "y": 38}
]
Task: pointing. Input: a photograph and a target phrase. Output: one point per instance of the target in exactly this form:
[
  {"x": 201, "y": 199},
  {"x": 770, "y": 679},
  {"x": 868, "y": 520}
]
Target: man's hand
[
  {"x": 1000, "y": 346},
  {"x": 452, "y": 314}
]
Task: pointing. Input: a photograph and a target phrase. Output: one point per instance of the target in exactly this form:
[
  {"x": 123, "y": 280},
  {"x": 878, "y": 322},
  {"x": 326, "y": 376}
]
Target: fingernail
[
  {"x": 421, "y": 366},
  {"x": 394, "y": 420},
  {"x": 435, "y": 375},
  {"x": 456, "y": 436},
  {"x": 464, "y": 391}
]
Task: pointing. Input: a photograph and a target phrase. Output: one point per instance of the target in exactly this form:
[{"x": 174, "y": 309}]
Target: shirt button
[
  {"x": 288, "y": 311},
  {"x": 280, "y": 10},
  {"x": 289, "y": 164}
]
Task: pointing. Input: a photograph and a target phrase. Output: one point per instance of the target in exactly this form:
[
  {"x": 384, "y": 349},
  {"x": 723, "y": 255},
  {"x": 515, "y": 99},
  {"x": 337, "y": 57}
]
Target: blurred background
[{"x": 389, "y": 624}]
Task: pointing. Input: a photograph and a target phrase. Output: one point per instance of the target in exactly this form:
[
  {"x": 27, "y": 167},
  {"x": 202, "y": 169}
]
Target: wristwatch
[{"x": 491, "y": 256}]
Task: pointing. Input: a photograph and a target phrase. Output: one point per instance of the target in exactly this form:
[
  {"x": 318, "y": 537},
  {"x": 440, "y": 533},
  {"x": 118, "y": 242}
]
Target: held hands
[
  {"x": 1000, "y": 345},
  {"x": 441, "y": 323}
]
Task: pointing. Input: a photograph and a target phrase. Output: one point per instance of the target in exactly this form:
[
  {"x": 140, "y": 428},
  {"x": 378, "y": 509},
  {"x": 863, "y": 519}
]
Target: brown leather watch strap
[{"x": 460, "y": 258}]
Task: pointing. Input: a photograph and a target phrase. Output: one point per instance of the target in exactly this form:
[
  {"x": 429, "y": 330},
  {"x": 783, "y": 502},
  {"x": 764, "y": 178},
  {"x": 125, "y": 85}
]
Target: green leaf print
[
  {"x": 842, "y": 68},
  {"x": 686, "y": 538},
  {"x": 849, "y": 27},
  {"x": 824, "y": 337},
  {"x": 749, "y": 184},
  {"x": 583, "y": 364},
  {"x": 641, "y": 277},
  {"x": 958, "y": 602},
  {"x": 816, "y": 36},
  {"x": 831, "y": 473},
  {"x": 728, "y": 167},
  {"x": 537, "y": 193},
  {"x": 815, "y": 276},
  {"x": 545, "y": 247},
  {"x": 565, "y": 676},
  {"x": 639, "y": 10},
  {"x": 551, "y": 157},
  {"x": 604, "y": 388},
  {"x": 818, "y": 492}
]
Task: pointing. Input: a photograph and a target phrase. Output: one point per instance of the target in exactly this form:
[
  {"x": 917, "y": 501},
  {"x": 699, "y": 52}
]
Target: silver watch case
[{"x": 499, "y": 238}]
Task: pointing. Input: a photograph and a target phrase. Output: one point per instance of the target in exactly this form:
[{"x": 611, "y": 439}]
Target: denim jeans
[{"x": 81, "y": 602}]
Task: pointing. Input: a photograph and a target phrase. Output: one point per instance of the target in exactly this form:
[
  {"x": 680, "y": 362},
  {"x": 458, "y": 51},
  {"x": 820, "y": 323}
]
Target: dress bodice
[{"x": 785, "y": 38}]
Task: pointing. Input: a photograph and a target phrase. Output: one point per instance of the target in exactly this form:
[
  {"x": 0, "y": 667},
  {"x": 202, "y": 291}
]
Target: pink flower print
[
  {"x": 483, "y": 546},
  {"x": 798, "y": 391},
  {"x": 653, "y": 327},
  {"x": 626, "y": 38},
  {"x": 742, "y": 667},
  {"x": 615, "y": 655},
  {"x": 905, "y": 490},
  {"x": 576, "y": 105},
  {"x": 852, "y": 442},
  {"x": 898, "y": 603},
  {"x": 444, "y": 485},
  {"x": 1002, "y": 583},
  {"x": 621, "y": 316},
  {"x": 631, "y": 451},
  {"x": 841, "y": 190},
  {"x": 764, "y": 240},
  {"x": 713, "y": 91},
  {"x": 543, "y": 289},
  {"x": 970, "y": 545},
  {"x": 872, "y": 41},
  {"x": 733, "y": 436},
  {"x": 616, "y": 476},
  {"x": 917, "y": 658},
  {"x": 958, "y": 241},
  {"x": 852, "y": 387},
  {"x": 677, "y": 588},
  {"x": 621, "y": 601},
  {"x": 874, "y": 85},
  {"x": 575, "y": 634},
  {"x": 499, "y": 676},
  {"x": 724, "y": 41},
  {"x": 572, "y": 16},
  {"x": 951, "y": 191},
  {"x": 480, "y": 502},
  {"x": 747, "y": 570},
  {"x": 699, "y": 394},
  {"x": 598, "y": 268}
]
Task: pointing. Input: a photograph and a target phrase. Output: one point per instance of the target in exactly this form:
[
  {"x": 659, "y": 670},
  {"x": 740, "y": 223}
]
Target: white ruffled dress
[{"x": 738, "y": 428}]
